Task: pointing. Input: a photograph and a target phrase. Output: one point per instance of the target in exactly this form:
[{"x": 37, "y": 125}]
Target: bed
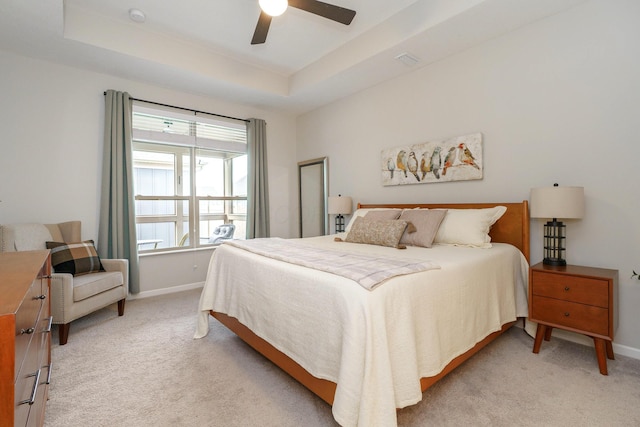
[{"x": 365, "y": 351}]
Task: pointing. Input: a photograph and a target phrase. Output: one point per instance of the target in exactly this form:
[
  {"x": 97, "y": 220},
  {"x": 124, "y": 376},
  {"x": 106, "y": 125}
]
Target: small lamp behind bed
[
  {"x": 556, "y": 202},
  {"x": 340, "y": 206}
]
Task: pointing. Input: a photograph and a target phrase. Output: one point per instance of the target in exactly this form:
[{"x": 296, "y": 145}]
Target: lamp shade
[
  {"x": 557, "y": 202},
  {"x": 339, "y": 205}
]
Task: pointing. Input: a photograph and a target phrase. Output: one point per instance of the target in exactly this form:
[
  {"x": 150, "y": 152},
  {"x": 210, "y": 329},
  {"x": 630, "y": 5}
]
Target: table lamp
[
  {"x": 339, "y": 206},
  {"x": 556, "y": 202}
]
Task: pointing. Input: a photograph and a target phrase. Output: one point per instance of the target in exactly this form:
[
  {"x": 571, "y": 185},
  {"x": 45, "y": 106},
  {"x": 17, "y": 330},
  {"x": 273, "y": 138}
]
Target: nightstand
[{"x": 578, "y": 299}]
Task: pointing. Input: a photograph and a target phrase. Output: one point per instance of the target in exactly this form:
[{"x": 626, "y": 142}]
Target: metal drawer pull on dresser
[
  {"x": 49, "y": 366},
  {"x": 49, "y": 323},
  {"x": 34, "y": 390}
]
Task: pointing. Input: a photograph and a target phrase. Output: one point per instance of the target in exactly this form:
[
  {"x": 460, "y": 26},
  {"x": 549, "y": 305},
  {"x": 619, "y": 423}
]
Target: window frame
[{"x": 191, "y": 146}]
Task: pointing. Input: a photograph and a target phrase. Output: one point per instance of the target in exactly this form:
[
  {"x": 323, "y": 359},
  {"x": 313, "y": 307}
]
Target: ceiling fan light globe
[{"x": 273, "y": 7}]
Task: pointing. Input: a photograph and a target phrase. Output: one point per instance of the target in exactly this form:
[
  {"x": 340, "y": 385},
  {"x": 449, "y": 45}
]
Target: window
[{"x": 190, "y": 178}]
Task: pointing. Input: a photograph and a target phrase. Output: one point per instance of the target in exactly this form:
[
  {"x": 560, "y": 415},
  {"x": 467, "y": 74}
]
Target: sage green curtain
[
  {"x": 117, "y": 230},
  {"x": 258, "y": 185}
]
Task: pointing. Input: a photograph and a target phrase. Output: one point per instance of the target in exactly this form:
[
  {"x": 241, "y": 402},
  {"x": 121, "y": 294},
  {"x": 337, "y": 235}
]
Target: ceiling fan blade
[
  {"x": 326, "y": 10},
  {"x": 262, "y": 28}
]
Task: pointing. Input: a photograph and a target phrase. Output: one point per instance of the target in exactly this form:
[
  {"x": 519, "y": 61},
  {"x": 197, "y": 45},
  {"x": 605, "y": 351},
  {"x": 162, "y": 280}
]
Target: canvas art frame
[{"x": 452, "y": 159}]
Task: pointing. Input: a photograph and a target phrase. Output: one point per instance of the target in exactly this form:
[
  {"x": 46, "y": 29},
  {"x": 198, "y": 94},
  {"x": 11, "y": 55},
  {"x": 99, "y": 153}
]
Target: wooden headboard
[{"x": 512, "y": 227}]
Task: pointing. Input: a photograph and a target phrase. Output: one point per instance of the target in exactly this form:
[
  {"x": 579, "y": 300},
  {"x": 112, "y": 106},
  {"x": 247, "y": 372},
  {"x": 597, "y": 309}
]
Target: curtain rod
[{"x": 186, "y": 109}]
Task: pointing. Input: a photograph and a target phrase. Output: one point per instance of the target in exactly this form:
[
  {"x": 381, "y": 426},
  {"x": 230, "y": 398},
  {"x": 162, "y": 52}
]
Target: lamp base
[
  {"x": 556, "y": 262},
  {"x": 554, "y": 241},
  {"x": 339, "y": 223}
]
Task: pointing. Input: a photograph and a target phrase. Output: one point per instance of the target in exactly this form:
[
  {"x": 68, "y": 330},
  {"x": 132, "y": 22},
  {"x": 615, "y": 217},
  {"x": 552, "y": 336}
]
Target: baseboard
[
  {"x": 165, "y": 291},
  {"x": 624, "y": 350},
  {"x": 618, "y": 349}
]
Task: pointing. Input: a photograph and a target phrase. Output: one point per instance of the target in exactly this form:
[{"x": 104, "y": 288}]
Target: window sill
[{"x": 176, "y": 251}]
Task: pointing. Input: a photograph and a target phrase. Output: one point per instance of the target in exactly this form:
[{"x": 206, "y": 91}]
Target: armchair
[
  {"x": 71, "y": 296},
  {"x": 222, "y": 232}
]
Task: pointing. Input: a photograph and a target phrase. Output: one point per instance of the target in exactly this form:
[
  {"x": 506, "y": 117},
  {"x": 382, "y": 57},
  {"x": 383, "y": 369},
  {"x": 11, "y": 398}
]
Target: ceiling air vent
[{"x": 407, "y": 59}]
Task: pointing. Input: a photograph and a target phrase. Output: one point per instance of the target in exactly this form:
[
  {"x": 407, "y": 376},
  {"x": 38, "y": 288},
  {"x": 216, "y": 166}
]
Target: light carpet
[{"x": 144, "y": 369}]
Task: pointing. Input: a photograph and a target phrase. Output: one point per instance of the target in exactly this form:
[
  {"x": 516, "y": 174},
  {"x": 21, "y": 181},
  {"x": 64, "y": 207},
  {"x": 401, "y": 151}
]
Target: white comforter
[{"x": 375, "y": 345}]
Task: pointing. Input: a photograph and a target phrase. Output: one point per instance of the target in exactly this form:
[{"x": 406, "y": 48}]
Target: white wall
[
  {"x": 556, "y": 101},
  {"x": 51, "y": 131}
]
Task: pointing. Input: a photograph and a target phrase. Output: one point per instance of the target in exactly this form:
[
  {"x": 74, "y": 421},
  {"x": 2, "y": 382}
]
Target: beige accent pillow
[
  {"x": 384, "y": 214},
  {"x": 468, "y": 227},
  {"x": 364, "y": 212},
  {"x": 426, "y": 222},
  {"x": 376, "y": 232}
]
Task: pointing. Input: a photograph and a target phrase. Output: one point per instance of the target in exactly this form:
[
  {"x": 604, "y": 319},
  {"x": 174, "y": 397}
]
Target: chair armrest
[{"x": 121, "y": 265}]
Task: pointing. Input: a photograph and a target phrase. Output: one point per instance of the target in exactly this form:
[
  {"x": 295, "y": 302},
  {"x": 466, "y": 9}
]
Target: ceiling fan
[{"x": 271, "y": 8}]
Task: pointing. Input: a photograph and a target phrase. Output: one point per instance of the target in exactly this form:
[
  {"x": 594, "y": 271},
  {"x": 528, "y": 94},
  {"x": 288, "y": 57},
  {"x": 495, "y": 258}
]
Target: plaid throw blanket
[{"x": 369, "y": 271}]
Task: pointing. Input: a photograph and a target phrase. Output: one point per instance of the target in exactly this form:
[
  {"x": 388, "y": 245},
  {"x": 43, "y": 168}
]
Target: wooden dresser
[
  {"x": 578, "y": 299},
  {"x": 25, "y": 337}
]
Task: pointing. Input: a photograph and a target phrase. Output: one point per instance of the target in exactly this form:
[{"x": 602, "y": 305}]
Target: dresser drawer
[
  {"x": 27, "y": 318},
  {"x": 571, "y": 288},
  {"x": 582, "y": 317},
  {"x": 27, "y": 377}
]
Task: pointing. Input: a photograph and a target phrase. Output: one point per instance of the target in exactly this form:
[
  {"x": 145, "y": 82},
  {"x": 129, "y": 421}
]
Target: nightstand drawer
[
  {"x": 571, "y": 288},
  {"x": 586, "y": 318}
]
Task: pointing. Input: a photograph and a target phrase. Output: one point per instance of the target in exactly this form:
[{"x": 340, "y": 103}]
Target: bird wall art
[{"x": 453, "y": 159}]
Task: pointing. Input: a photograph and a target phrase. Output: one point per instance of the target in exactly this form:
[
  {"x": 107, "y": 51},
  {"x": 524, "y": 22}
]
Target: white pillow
[
  {"x": 363, "y": 212},
  {"x": 468, "y": 227}
]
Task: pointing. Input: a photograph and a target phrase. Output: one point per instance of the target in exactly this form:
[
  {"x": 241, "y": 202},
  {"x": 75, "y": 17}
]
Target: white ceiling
[{"x": 203, "y": 46}]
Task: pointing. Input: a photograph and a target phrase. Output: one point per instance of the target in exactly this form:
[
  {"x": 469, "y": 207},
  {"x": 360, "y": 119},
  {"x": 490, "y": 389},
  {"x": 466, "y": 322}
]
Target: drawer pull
[
  {"x": 40, "y": 297},
  {"x": 27, "y": 331},
  {"x": 566, "y": 288},
  {"x": 34, "y": 390},
  {"x": 48, "y": 381},
  {"x": 46, "y": 331},
  {"x": 566, "y": 314}
]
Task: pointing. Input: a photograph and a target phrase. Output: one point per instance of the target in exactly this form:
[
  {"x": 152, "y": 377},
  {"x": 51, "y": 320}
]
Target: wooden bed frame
[{"x": 512, "y": 228}]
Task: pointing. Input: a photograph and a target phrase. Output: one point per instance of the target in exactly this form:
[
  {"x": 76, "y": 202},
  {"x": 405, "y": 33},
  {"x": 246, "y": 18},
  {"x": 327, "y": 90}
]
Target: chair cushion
[
  {"x": 92, "y": 284},
  {"x": 75, "y": 258}
]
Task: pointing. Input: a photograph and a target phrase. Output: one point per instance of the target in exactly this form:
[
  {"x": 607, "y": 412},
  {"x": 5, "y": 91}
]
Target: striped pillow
[{"x": 75, "y": 258}]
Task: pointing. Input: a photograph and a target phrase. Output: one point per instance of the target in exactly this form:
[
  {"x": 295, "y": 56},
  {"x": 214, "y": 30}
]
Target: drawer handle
[
  {"x": 48, "y": 381},
  {"x": 566, "y": 314},
  {"x": 566, "y": 288},
  {"x": 34, "y": 390},
  {"x": 46, "y": 331},
  {"x": 27, "y": 331},
  {"x": 40, "y": 297}
]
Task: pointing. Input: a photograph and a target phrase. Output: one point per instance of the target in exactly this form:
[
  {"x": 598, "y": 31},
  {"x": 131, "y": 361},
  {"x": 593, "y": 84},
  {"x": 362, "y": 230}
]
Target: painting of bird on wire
[{"x": 453, "y": 159}]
